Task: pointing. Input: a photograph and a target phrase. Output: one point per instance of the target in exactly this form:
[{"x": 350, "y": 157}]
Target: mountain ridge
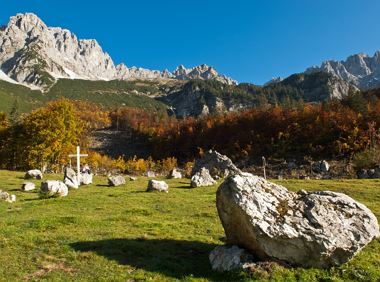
[
  {"x": 359, "y": 69},
  {"x": 33, "y": 54}
]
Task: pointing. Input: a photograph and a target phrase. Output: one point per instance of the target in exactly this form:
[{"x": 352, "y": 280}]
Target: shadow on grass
[
  {"x": 174, "y": 258},
  {"x": 183, "y": 187},
  {"x": 102, "y": 185}
]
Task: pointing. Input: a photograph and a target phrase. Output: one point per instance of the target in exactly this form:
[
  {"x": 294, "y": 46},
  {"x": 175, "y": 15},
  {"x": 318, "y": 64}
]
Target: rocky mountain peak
[
  {"x": 36, "y": 55},
  {"x": 27, "y": 22},
  {"x": 203, "y": 72},
  {"x": 360, "y": 69}
]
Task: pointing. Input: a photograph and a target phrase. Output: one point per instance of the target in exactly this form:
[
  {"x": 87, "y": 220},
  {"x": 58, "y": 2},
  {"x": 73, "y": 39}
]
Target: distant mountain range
[
  {"x": 35, "y": 55},
  {"x": 361, "y": 70},
  {"x": 40, "y": 63}
]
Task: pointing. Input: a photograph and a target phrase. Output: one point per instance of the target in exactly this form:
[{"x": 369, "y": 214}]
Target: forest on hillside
[{"x": 347, "y": 129}]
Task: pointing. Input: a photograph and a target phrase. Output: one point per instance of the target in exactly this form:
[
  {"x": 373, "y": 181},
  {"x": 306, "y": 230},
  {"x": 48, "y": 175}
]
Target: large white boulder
[
  {"x": 33, "y": 173},
  {"x": 160, "y": 186},
  {"x": 310, "y": 229},
  {"x": 54, "y": 188},
  {"x": 202, "y": 178}
]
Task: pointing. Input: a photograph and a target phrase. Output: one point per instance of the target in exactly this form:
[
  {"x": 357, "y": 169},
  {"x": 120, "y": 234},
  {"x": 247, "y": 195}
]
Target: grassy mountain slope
[
  {"x": 107, "y": 93},
  {"x": 193, "y": 98},
  {"x": 28, "y": 99}
]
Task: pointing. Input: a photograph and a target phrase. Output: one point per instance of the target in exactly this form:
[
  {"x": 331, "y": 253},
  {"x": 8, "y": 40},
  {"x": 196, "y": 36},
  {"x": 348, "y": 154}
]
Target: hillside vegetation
[
  {"x": 192, "y": 98},
  {"x": 108, "y": 94}
]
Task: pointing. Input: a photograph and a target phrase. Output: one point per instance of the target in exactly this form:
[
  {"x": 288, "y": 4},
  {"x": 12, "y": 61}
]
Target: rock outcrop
[
  {"x": 360, "y": 69},
  {"x": 54, "y": 188},
  {"x": 159, "y": 186},
  {"x": 203, "y": 72},
  {"x": 309, "y": 229},
  {"x": 36, "y": 55}
]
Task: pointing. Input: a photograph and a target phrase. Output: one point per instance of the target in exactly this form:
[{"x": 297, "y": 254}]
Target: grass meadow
[{"x": 99, "y": 233}]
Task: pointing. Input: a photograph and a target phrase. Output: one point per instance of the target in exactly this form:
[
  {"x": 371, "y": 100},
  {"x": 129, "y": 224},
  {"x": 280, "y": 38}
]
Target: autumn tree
[{"x": 49, "y": 134}]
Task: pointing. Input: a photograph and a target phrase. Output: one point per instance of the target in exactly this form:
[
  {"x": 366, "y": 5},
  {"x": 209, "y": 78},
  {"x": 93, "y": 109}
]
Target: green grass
[
  {"x": 99, "y": 233},
  {"x": 109, "y": 94}
]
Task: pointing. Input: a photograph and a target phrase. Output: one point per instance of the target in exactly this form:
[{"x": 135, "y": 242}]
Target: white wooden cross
[{"x": 78, "y": 155}]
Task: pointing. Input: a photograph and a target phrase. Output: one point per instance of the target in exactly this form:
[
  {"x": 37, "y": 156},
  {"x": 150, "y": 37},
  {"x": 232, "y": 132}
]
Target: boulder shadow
[
  {"x": 102, "y": 185},
  {"x": 173, "y": 258},
  {"x": 183, "y": 187}
]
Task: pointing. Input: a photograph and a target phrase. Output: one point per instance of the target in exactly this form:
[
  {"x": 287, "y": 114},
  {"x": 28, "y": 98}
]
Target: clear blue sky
[{"x": 249, "y": 40}]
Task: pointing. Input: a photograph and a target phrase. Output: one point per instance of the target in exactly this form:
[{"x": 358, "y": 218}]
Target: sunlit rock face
[
  {"x": 33, "y": 54},
  {"x": 360, "y": 69}
]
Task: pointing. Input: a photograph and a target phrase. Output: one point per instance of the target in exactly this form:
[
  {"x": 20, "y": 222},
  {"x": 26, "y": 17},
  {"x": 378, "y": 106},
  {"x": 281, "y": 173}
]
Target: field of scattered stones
[{"x": 125, "y": 233}]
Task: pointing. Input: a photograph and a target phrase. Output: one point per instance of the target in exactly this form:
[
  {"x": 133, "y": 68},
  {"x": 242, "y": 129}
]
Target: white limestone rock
[
  {"x": 33, "y": 173},
  {"x": 202, "y": 178},
  {"x": 175, "y": 174},
  {"x": 360, "y": 69},
  {"x": 159, "y": 186},
  {"x": 5, "y": 196},
  {"x": 217, "y": 164},
  {"x": 116, "y": 180},
  {"x": 229, "y": 258},
  {"x": 36, "y": 55},
  {"x": 28, "y": 186},
  {"x": 70, "y": 178},
  {"x": 309, "y": 229},
  {"x": 86, "y": 178}
]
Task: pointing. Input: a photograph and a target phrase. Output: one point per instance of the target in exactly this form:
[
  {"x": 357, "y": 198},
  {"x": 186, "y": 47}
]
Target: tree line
[{"x": 336, "y": 129}]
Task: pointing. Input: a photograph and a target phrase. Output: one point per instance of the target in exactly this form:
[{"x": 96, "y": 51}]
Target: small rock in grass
[
  {"x": 7, "y": 197},
  {"x": 86, "y": 178},
  {"x": 151, "y": 174},
  {"x": 202, "y": 178},
  {"x": 160, "y": 186},
  {"x": 33, "y": 173},
  {"x": 28, "y": 186},
  {"x": 229, "y": 258},
  {"x": 116, "y": 180},
  {"x": 175, "y": 174}
]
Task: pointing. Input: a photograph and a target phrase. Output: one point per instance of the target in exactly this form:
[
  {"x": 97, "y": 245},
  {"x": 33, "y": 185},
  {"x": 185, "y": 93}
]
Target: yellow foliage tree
[{"x": 50, "y": 134}]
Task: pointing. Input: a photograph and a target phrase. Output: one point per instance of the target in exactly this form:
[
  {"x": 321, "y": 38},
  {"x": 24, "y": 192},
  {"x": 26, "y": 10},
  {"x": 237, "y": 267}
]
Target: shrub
[{"x": 367, "y": 159}]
